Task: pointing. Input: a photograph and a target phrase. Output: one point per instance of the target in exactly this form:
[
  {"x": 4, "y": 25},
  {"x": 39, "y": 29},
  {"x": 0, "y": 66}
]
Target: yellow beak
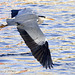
[{"x": 46, "y": 18}]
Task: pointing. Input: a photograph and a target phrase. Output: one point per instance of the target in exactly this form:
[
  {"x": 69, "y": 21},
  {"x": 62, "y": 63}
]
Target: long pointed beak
[{"x": 46, "y": 18}]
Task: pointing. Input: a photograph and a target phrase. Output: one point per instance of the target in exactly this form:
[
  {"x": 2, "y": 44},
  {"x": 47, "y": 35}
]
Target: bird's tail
[
  {"x": 42, "y": 54},
  {"x": 10, "y": 22}
]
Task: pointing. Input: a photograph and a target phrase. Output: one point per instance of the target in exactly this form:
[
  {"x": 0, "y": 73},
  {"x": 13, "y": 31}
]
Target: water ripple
[{"x": 15, "y": 56}]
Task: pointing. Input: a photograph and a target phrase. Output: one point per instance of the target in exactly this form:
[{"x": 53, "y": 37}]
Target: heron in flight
[{"x": 28, "y": 26}]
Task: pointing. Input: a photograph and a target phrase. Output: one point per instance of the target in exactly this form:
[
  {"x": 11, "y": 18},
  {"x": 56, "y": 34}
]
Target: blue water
[{"x": 15, "y": 56}]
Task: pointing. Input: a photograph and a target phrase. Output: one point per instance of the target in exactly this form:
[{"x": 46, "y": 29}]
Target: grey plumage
[{"x": 29, "y": 30}]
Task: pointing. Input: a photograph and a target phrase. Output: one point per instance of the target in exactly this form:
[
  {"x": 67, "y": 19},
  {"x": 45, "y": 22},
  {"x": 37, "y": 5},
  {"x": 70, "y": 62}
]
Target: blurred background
[{"x": 15, "y": 56}]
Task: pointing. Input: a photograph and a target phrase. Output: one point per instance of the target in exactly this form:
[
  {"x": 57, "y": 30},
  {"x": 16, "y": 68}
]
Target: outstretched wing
[
  {"x": 35, "y": 40},
  {"x": 32, "y": 35}
]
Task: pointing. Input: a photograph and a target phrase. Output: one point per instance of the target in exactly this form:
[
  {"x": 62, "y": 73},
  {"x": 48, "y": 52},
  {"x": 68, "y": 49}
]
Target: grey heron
[{"x": 28, "y": 26}]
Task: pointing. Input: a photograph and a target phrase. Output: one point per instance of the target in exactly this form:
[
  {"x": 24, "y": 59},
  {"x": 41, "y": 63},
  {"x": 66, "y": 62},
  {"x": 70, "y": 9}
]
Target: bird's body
[{"x": 27, "y": 25}]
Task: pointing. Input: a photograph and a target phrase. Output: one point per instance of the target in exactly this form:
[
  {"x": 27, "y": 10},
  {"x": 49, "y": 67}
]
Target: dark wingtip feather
[
  {"x": 42, "y": 54},
  {"x": 14, "y": 13}
]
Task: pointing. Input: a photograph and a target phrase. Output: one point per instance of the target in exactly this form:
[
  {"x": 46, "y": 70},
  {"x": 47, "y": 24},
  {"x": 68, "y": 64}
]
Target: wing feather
[
  {"x": 40, "y": 52},
  {"x": 32, "y": 35}
]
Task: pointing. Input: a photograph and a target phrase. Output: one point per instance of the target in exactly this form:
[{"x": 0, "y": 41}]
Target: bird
[{"x": 27, "y": 22}]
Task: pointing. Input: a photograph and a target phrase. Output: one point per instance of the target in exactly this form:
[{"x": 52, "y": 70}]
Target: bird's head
[{"x": 42, "y": 18}]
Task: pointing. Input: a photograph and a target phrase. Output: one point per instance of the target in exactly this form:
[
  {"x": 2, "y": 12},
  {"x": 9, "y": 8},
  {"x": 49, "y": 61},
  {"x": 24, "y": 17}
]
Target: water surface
[{"x": 15, "y": 56}]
